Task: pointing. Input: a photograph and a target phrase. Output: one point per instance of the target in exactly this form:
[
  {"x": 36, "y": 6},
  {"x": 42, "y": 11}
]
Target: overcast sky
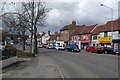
[{"x": 84, "y": 12}]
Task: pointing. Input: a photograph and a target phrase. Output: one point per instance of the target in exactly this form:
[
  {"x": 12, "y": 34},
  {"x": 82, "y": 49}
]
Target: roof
[
  {"x": 79, "y": 29},
  {"x": 98, "y": 29},
  {"x": 52, "y": 37},
  {"x": 88, "y": 29},
  {"x": 58, "y": 34},
  {"x": 107, "y": 27},
  {"x": 65, "y": 28}
]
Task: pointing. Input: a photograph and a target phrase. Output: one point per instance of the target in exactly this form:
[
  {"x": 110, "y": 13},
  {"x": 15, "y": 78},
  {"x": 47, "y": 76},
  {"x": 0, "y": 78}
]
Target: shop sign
[
  {"x": 84, "y": 41},
  {"x": 105, "y": 39}
]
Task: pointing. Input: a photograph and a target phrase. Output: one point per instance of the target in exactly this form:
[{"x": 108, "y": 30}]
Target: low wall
[{"x": 9, "y": 61}]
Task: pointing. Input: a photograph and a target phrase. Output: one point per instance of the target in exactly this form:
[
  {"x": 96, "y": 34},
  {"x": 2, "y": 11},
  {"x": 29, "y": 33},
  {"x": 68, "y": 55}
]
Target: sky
[{"x": 84, "y": 12}]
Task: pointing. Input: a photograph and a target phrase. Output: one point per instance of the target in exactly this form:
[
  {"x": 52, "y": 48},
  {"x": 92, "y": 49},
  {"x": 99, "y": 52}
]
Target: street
[
  {"x": 84, "y": 65},
  {"x": 70, "y": 65}
]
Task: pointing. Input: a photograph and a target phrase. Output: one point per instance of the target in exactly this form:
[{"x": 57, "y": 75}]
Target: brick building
[
  {"x": 67, "y": 31},
  {"x": 110, "y": 34},
  {"x": 86, "y": 36}
]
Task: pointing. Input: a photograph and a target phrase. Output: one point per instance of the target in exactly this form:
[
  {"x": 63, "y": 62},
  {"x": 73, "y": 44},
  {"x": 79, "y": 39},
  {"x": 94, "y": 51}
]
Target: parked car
[
  {"x": 50, "y": 46},
  {"x": 2, "y": 45},
  {"x": 44, "y": 45},
  {"x": 117, "y": 51},
  {"x": 60, "y": 45},
  {"x": 73, "y": 48},
  {"x": 91, "y": 49},
  {"x": 100, "y": 50},
  {"x": 108, "y": 50},
  {"x": 27, "y": 42},
  {"x": 39, "y": 45}
]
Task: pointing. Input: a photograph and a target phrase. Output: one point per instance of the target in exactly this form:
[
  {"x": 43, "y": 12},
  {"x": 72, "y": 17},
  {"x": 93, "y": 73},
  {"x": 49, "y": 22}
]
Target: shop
[
  {"x": 116, "y": 40},
  {"x": 84, "y": 44},
  {"x": 105, "y": 41},
  {"x": 116, "y": 45}
]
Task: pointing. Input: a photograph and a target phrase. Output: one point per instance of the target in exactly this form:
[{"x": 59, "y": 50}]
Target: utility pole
[{"x": 33, "y": 27}]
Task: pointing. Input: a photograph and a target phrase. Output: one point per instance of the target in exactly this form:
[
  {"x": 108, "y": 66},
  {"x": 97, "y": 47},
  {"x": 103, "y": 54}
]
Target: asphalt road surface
[{"x": 83, "y": 64}]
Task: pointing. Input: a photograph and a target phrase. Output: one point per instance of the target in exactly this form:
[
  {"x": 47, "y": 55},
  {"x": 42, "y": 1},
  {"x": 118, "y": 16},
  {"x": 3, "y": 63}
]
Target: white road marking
[
  {"x": 61, "y": 75},
  {"x": 108, "y": 70}
]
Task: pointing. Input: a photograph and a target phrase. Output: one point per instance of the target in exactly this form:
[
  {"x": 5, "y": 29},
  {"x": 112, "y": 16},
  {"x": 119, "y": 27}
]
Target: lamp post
[{"x": 111, "y": 18}]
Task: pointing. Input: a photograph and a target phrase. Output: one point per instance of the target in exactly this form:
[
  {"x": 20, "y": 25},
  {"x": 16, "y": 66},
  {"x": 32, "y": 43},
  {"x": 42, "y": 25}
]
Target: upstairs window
[
  {"x": 95, "y": 37},
  {"x": 105, "y": 34}
]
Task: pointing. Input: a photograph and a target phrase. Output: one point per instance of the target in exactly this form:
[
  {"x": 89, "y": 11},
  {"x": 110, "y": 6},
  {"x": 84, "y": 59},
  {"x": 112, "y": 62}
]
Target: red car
[
  {"x": 44, "y": 45},
  {"x": 91, "y": 49}
]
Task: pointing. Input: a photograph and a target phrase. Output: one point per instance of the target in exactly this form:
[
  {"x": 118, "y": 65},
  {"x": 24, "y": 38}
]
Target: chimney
[
  {"x": 49, "y": 32},
  {"x": 73, "y": 23}
]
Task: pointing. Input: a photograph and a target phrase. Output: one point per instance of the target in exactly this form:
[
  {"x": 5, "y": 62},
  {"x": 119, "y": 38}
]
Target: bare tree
[
  {"x": 15, "y": 22},
  {"x": 36, "y": 14},
  {"x": 30, "y": 16}
]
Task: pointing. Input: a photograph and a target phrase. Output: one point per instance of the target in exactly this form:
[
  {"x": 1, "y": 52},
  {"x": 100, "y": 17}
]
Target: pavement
[{"x": 38, "y": 67}]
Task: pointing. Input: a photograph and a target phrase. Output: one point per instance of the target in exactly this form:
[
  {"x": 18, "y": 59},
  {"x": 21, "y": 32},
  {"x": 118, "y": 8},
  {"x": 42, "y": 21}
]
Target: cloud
[{"x": 85, "y": 12}]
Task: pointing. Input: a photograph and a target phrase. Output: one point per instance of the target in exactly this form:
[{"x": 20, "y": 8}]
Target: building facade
[{"x": 67, "y": 31}]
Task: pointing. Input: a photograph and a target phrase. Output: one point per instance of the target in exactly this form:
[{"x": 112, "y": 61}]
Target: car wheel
[
  {"x": 72, "y": 50},
  {"x": 106, "y": 52},
  {"x": 118, "y": 54}
]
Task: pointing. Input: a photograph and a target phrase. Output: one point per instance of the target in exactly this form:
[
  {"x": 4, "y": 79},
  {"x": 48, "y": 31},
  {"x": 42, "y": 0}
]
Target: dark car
[
  {"x": 108, "y": 50},
  {"x": 117, "y": 51},
  {"x": 100, "y": 50},
  {"x": 91, "y": 49},
  {"x": 73, "y": 47}
]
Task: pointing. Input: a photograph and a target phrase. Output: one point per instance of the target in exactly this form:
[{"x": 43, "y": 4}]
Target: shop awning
[
  {"x": 116, "y": 40},
  {"x": 85, "y": 43}
]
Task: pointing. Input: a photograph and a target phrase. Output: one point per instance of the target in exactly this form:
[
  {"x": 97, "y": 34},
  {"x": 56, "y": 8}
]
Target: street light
[{"x": 111, "y": 17}]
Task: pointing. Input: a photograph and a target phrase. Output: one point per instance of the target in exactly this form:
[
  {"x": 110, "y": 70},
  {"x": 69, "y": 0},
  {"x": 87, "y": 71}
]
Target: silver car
[{"x": 2, "y": 46}]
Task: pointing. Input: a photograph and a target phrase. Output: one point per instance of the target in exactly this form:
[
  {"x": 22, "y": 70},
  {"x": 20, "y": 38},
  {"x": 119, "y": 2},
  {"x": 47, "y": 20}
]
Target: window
[
  {"x": 105, "y": 34},
  {"x": 94, "y": 37},
  {"x": 75, "y": 37},
  {"x": 66, "y": 31},
  {"x": 85, "y": 37}
]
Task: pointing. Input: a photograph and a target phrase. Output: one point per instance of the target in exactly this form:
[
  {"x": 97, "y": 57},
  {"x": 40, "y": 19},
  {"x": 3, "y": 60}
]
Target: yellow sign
[{"x": 105, "y": 39}]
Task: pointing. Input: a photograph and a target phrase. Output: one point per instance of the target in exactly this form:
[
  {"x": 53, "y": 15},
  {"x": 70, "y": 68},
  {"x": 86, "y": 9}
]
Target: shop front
[
  {"x": 105, "y": 41},
  {"x": 116, "y": 43},
  {"x": 84, "y": 44},
  {"x": 85, "y": 41}
]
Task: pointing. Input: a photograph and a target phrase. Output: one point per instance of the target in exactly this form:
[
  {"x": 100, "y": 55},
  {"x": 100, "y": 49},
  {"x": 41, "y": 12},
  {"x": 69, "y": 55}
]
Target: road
[{"x": 83, "y": 64}]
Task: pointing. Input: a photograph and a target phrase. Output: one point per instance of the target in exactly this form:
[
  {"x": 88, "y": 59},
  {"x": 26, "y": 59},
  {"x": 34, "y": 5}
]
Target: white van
[{"x": 59, "y": 45}]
